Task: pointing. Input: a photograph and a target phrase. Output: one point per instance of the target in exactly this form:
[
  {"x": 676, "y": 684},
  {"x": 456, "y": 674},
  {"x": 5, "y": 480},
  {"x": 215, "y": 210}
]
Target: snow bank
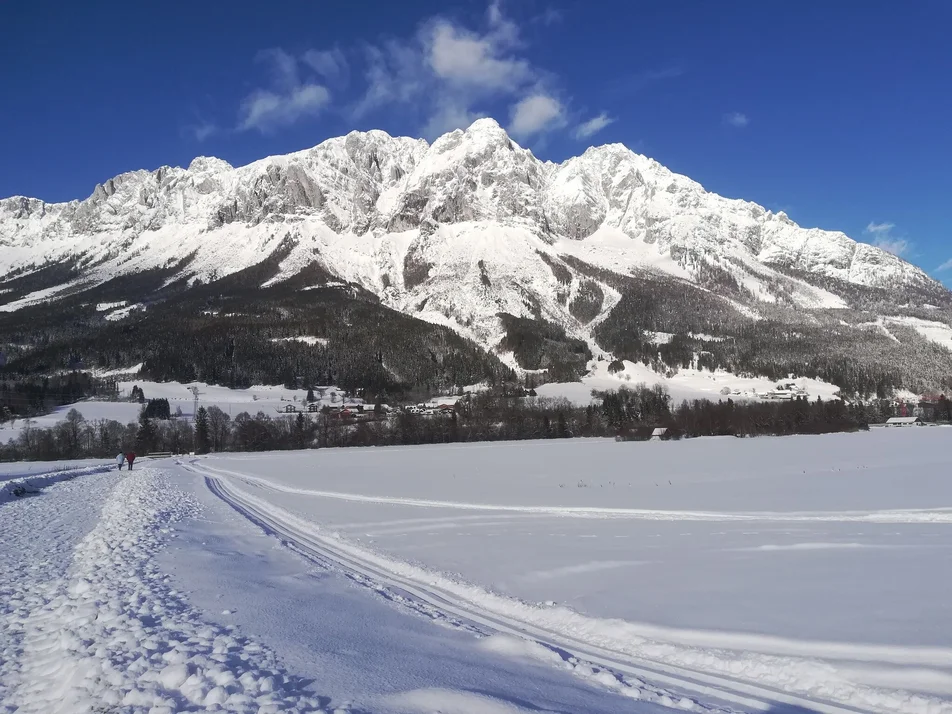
[{"x": 16, "y": 485}]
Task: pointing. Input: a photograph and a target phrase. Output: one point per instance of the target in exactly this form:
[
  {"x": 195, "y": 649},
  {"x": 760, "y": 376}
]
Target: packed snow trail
[
  {"x": 95, "y": 626},
  {"x": 29, "y": 557},
  {"x": 746, "y": 679}
]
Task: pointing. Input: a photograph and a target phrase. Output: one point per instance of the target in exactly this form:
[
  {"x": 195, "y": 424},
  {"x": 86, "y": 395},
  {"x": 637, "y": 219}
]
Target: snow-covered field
[
  {"x": 813, "y": 566},
  {"x": 270, "y": 399},
  {"x": 687, "y": 384},
  {"x": 123, "y": 412},
  {"x": 937, "y": 332},
  {"x": 803, "y": 573}
]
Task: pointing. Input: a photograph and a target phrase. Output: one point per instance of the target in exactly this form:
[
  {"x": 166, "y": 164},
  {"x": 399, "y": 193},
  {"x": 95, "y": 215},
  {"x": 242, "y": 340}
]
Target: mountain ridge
[
  {"x": 472, "y": 232},
  {"x": 570, "y": 185}
]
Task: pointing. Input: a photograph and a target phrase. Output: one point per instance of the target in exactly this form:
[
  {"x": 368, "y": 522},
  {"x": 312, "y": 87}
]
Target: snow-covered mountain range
[{"x": 455, "y": 232}]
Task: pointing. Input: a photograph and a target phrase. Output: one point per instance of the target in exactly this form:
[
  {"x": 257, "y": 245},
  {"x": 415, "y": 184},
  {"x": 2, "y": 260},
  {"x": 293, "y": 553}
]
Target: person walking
[
  {"x": 130, "y": 457},
  {"x": 119, "y": 460}
]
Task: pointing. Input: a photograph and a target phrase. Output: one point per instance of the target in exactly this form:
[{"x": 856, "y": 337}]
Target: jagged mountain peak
[
  {"x": 208, "y": 164},
  {"x": 457, "y": 231}
]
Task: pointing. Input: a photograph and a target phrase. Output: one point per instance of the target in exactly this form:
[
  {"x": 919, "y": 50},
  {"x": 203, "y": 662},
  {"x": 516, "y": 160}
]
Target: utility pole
[{"x": 194, "y": 390}]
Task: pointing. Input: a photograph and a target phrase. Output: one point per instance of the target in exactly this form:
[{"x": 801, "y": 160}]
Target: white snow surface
[
  {"x": 98, "y": 627},
  {"x": 22, "y": 480},
  {"x": 454, "y": 232},
  {"x": 937, "y": 332},
  {"x": 688, "y": 384},
  {"x": 711, "y": 575},
  {"x": 271, "y": 399},
  {"x": 111, "y": 587},
  {"x": 810, "y": 570},
  {"x": 123, "y": 312},
  {"x": 123, "y": 412},
  {"x": 306, "y": 339}
]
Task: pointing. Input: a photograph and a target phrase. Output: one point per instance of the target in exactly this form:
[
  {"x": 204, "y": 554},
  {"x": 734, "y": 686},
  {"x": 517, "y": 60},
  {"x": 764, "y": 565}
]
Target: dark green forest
[{"x": 228, "y": 334}]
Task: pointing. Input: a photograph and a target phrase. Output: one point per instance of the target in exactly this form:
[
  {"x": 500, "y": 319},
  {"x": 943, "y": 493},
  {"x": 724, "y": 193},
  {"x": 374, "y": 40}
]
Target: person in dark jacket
[{"x": 130, "y": 457}]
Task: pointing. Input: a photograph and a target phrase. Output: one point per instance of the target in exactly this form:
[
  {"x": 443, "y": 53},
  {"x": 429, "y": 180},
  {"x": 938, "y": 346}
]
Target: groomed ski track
[{"x": 707, "y": 692}]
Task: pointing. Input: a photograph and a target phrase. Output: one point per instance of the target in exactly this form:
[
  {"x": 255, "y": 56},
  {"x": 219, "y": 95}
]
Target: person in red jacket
[{"x": 130, "y": 457}]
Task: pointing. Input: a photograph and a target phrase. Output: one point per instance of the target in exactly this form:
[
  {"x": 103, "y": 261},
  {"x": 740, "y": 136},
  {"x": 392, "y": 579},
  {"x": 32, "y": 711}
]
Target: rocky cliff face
[{"x": 455, "y": 232}]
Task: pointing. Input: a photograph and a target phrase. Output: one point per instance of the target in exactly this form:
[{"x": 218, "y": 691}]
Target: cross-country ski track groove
[
  {"x": 707, "y": 690},
  {"x": 893, "y": 516}
]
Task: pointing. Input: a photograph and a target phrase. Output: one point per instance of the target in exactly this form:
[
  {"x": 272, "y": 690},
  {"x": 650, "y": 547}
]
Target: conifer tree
[{"x": 202, "y": 432}]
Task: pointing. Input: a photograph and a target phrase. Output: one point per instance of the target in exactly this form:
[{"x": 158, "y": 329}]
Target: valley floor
[{"x": 583, "y": 576}]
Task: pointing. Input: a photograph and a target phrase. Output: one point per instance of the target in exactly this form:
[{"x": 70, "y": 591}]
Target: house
[
  {"x": 931, "y": 407},
  {"x": 636, "y": 433},
  {"x": 905, "y": 421},
  {"x": 648, "y": 433},
  {"x": 290, "y": 409}
]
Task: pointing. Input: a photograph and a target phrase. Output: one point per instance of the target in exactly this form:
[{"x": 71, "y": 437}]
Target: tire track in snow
[
  {"x": 903, "y": 516},
  {"x": 750, "y": 680}
]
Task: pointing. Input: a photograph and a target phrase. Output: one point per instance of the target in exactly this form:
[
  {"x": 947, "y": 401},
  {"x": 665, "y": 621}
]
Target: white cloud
[
  {"x": 283, "y": 67},
  {"x": 451, "y": 74},
  {"x": 265, "y": 110},
  {"x": 203, "y": 131},
  {"x": 289, "y": 98},
  {"x": 593, "y": 126},
  {"x": 448, "y": 117},
  {"x": 494, "y": 14},
  {"x": 885, "y": 240},
  {"x": 736, "y": 119},
  {"x": 445, "y": 75},
  {"x": 535, "y": 114},
  {"x": 880, "y": 228},
  {"x": 395, "y": 74},
  {"x": 896, "y": 246},
  {"x": 465, "y": 58},
  {"x": 330, "y": 64},
  {"x": 947, "y": 265},
  {"x": 549, "y": 16}
]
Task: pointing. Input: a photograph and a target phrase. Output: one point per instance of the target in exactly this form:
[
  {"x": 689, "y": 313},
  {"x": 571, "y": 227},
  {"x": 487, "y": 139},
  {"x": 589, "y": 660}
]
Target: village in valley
[{"x": 337, "y": 404}]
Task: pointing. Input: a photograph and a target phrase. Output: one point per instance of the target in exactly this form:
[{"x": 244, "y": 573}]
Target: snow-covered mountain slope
[{"x": 455, "y": 232}]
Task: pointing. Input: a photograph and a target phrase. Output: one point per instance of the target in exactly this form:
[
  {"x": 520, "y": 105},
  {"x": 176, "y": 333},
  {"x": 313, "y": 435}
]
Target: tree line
[
  {"x": 483, "y": 417},
  {"x": 22, "y": 397}
]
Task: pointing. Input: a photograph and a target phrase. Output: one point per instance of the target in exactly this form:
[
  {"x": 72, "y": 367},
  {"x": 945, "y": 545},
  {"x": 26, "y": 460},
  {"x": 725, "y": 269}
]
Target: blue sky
[{"x": 837, "y": 112}]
